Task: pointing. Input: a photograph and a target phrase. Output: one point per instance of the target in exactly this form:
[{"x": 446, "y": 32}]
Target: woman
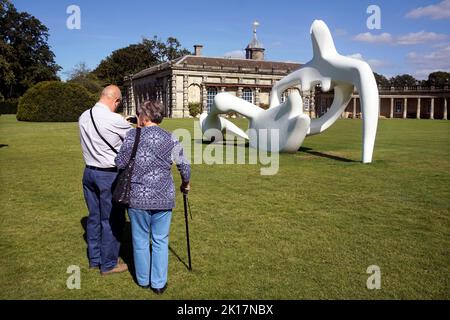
[{"x": 152, "y": 194}]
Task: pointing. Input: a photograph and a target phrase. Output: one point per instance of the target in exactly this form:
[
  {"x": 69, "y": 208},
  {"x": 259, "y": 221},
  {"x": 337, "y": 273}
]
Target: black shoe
[
  {"x": 159, "y": 291},
  {"x": 145, "y": 287}
]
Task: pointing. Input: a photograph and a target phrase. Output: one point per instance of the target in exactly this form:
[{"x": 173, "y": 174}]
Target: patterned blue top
[{"x": 152, "y": 186}]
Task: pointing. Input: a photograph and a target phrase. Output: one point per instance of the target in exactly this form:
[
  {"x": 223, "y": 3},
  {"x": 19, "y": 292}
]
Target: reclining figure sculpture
[{"x": 327, "y": 68}]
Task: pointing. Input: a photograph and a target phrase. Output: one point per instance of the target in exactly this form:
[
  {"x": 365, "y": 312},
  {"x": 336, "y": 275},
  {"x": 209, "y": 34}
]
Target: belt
[{"x": 113, "y": 169}]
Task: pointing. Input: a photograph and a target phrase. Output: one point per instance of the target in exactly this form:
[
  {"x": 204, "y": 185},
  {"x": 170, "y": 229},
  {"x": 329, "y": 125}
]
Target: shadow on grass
[
  {"x": 324, "y": 155},
  {"x": 178, "y": 257},
  {"x": 126, "y": 246},
  {"x": 223, "y": 142},
  {"x": 3, "y": 145}
]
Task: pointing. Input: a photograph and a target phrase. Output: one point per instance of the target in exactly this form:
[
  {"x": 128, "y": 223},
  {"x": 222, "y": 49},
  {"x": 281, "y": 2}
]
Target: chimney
[{"x": 198, "y": 50}]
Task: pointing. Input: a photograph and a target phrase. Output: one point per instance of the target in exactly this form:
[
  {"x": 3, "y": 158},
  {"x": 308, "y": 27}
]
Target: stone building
[
  {"x": 195, "y": 80},
  {"x": 407, "y": 102}
]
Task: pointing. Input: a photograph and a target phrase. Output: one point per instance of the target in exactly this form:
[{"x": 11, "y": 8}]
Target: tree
[
  {"x": 404, "y": 80},
  {"x": 25, "y": 56},
  {"x": 135, "y": 57},
  {"x": 381, "y": 80},
  {"x": 82, "y": 75},
  {"x": 439, "y": 78}
]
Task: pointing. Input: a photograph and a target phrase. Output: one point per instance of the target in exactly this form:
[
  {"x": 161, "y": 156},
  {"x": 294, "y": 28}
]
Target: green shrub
[
  {"x": 54, "y": 101},
  {"x": 9, "y": 106},
  {"x": 195, "y": 109}
]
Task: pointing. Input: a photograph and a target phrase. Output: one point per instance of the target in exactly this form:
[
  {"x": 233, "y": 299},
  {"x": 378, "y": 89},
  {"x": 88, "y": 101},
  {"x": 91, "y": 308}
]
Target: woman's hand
[{"x": 185, "y": 187}]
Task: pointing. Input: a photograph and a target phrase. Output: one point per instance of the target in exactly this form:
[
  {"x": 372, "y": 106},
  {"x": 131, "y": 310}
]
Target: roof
[{"x": 198, "y": 62}]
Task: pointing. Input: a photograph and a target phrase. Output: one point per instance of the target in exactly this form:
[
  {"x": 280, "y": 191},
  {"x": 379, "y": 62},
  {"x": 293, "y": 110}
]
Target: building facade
[
  {"x": 195, "y": 80},
  {"x": 407, "y": 102}
]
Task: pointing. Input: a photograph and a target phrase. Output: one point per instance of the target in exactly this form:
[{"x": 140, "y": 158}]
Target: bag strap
[
  {"x": 104, "y": 140},
  {"x": 136, "y": 143}
]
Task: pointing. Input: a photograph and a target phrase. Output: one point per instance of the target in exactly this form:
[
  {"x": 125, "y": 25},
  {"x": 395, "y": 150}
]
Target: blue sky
[{"x": 414, "y": 36}]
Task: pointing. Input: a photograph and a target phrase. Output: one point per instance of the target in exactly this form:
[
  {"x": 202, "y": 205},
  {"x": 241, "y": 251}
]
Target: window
[
  {"x": 247, "y": 95},
  {"x": 306, "y": 104},
  {"x": 398, "y": 106},
  {"x": 284, "y": 96},
  {"x": 211, "y": 93}
]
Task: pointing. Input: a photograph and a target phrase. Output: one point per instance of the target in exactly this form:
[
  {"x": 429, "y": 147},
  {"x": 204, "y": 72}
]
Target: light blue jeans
[{"x": 150, "y": 268}]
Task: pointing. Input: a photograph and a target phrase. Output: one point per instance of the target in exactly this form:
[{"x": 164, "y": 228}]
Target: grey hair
[{"x": 151, "y": 110}]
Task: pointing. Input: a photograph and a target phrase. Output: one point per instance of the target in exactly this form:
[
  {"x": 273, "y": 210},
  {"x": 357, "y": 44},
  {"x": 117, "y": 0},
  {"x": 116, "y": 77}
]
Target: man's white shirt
[{"x": 112, "y": 126}]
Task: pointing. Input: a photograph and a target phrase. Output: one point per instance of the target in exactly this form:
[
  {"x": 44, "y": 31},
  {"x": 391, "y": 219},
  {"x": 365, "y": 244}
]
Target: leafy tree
[
  {"x": 135, "y": 57},
  {"x": 404, "y": 80},
  {"x": 381, "y": 80},
  {"x": 82, "y": 75},
  {"x": 439, "y": 78},
  {"x": 25, "y": 56}
]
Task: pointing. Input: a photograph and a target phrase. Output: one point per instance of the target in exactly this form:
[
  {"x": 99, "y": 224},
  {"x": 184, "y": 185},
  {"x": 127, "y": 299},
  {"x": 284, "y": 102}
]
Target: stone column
[
  {"x": 257, "y": 99},
  {"x": 391, "y": 110},
  {"x": 185, "y": 96},
  {"x": 418, "y": 109},
  {"x": 239, "y": 92},
  {"x": 354, "y": 107},
  {"x": 379, "y": 107},
  {"x": 204, "y": 98},
  {"x": 312, "y": 105},
  {"x": 405, "y": 107},
  {"x": 173, "y": 93},
  {"x": 445, "y": 108},
  {"x": 432, "y": 109}
]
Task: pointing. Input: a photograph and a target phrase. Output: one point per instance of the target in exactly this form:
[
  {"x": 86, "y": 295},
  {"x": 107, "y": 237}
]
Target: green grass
[{"x": 309, "y": 232}]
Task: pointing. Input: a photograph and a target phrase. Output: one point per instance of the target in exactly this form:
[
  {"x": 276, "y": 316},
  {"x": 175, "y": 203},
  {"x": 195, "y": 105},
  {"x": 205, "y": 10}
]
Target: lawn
[{"x": 308, "y": 232}]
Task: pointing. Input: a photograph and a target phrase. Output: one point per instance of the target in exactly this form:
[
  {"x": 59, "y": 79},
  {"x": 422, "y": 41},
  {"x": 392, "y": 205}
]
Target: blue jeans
[
  {"x": 151, "y": 268},
  {"x": 105, "y": 221}
]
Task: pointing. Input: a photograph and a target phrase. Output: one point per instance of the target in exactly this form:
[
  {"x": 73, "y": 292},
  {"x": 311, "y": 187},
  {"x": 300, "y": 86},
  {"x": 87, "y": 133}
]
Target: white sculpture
[{"x": 327, "y": 68}]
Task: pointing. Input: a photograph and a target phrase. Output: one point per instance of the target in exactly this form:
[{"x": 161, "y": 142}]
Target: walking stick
[{"x": 186, "y": 205}]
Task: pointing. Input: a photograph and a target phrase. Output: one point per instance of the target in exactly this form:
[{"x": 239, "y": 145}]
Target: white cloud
[
  {"x": 235, "y": 54},
  {"x": 407, "y": 39},
  {"x": 425, "y": 63},
  {"x": 371, "y": 38},
  {"x": 374, "y": 63},
  {"x": 435, "y": 11},
  {"x": 420, "y": 37}
]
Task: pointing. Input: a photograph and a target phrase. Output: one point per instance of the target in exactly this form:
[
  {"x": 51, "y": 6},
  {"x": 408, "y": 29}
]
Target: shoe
[
  {"x": 120, "y": 267},
  {"x": 145, "y": 287},
  {"x": 160, "y": 290}
]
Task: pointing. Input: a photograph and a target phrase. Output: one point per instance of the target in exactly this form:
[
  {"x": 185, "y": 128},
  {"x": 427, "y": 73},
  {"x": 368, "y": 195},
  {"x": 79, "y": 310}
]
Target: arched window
[
  {"x": 211, "y": 93},
  {"x": 306, "y": 104},
  {"x": 247, "y": 95}
]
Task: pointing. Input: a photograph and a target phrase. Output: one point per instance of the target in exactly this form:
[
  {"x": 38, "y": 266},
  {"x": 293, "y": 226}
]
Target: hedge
[
  {"x": 9, "y": 106},
  {"x": 54, "y": 101},
  {"x": 194, "y": 108}
]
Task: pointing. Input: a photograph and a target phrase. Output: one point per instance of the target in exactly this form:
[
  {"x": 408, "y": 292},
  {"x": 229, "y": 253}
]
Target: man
[{"x": 106, "y": 220}]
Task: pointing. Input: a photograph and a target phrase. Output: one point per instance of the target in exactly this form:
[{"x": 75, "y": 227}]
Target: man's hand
[
  {"x": 185, "y": 187},
  {"x": 132, "y": 119}
]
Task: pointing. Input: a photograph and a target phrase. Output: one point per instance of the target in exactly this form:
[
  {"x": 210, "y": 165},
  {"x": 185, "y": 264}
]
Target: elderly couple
[{"x": 107, "y": 141}]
